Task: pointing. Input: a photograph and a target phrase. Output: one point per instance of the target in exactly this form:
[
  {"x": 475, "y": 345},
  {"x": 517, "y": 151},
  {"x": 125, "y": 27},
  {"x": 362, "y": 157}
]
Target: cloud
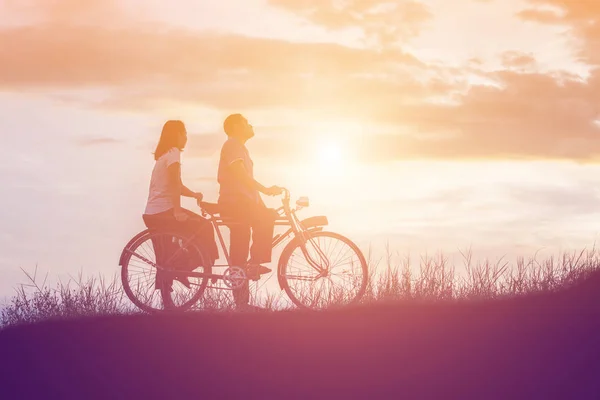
[
  {"x": 218, "y": 70},
  {"x": 582, "y": 16},
  {"x": 557, "y": 201},
  {"x": 541, "y": 16},
  {"x": 384, "y": 22},
  {"x": 525, "y": 116},
  {"x": 528, "y": 115},
  {"x": 411, "y": 108},
  {"x": 87, "y": 12},
  {"x": 517, "y": 59}
]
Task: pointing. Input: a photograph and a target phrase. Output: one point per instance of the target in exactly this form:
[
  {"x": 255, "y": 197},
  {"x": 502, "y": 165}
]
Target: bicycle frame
[{"x": 287, "y": 217}]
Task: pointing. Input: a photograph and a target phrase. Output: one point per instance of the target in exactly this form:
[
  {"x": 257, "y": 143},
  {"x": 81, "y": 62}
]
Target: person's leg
[
  {"x": 239, "y": 245},
  {"x": 239, "y": 239},
  {"x": 263, "y": 226},
  {"x": 182, "y": 259},
  {"x": 162, "y": 252},
  {"x": 239, "y": 233},
  {"x": 204, "y": 235}
]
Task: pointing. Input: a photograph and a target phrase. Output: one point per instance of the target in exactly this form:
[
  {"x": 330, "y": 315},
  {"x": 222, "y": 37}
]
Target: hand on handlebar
[
  {"x": 274, "y": 191},
  {"x": 199, "y": 197}
]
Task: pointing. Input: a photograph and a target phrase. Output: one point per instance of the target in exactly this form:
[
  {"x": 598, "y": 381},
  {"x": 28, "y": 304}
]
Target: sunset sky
[{"x": 432, "y": 124}]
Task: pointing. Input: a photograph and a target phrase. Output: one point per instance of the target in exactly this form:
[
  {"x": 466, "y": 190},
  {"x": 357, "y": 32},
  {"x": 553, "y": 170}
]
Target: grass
[
  {"x": 36, "y": 301},
  {"x": 393, "y": 278},
  {"x": 434, "y": 279}
]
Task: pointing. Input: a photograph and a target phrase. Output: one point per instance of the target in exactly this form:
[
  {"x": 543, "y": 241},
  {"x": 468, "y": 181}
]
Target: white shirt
[{"x": 160, "y": 199}]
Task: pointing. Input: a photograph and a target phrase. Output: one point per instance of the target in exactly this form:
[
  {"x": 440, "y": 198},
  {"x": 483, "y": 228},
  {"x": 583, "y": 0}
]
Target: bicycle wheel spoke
[
  {"x": 301, "y": 278},
  {"x": 334, "y": 264},
  {"x": 343, "y": 282},
  {"x": 141, "y": 258},
  {"x": 337, "y": 254},
  {"x": 147, "y": 252},
  {"x": 143, "y": 285}
]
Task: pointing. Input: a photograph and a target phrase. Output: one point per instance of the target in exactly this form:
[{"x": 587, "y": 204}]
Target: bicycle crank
[{"x": 234, "y": 277}]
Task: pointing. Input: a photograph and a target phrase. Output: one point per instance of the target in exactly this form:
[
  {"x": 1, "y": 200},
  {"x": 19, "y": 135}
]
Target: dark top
[{"x": 231, "y": 188}]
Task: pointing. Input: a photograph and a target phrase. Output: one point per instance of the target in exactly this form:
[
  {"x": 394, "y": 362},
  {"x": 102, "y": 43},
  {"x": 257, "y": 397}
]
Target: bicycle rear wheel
[
  {"x": 347, "y": 273},
  {"x": 153, "y": 290}
]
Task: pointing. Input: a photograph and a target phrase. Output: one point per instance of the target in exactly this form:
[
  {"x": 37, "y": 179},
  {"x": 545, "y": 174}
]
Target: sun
[{"x": 330, "y": 155}]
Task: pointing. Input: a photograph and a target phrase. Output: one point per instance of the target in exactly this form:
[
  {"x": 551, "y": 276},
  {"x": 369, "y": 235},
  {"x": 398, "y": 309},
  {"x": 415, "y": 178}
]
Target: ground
[{"x": 541, "y": 346}]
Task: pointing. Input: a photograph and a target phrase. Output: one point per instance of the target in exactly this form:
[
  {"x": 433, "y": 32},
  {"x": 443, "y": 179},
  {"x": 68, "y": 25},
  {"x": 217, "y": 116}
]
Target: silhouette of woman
[{"x": 163, "y": 208}]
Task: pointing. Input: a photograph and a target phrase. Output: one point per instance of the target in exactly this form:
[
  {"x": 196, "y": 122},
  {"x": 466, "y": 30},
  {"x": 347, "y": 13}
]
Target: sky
[{"x": 429, "y": 125}]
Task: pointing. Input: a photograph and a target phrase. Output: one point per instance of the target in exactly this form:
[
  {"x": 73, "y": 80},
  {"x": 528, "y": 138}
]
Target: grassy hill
[{"x": 541, "y": 346}]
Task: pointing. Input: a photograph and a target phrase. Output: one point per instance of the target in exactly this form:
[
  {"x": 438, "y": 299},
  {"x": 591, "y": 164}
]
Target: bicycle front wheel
[{"x": 327, "y": 270}]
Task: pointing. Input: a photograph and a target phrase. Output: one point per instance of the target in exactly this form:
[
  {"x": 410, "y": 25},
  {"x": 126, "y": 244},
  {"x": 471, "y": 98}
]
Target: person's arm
[
  {"x": 188, "y": 193},
  {"x": 240, "y": 173},
  {"x": 174, "y": 172}
]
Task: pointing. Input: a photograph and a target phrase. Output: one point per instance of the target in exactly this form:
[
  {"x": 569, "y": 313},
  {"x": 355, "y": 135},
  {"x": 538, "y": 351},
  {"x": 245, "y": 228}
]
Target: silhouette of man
[{"x": 240, "y": 201}]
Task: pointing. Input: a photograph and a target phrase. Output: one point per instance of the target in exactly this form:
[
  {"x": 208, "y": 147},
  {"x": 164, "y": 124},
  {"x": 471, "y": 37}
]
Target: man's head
[{"x": 236, "y": 125}]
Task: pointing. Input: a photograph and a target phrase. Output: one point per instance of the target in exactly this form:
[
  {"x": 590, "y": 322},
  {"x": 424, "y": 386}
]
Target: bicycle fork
[{"x": 321, "y": 267}]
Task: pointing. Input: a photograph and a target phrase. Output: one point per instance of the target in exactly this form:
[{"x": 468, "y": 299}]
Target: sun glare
[{"x": 330, "y": 156}]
